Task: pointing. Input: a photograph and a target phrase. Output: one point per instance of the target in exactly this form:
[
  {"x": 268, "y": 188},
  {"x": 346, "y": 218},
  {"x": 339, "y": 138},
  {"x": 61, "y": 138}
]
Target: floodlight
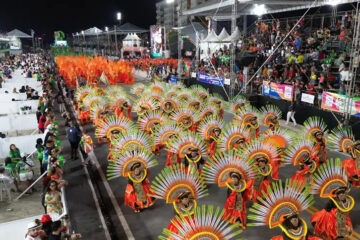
[
  {"x": 259, "y": 9},
  {"x": 334, "y": 2},
  {"x": 106, "y": 29},
  {"x": 169, "y": 1},
  {"x": 118, "y": 16},
  {"x": 82, "y": 32}
]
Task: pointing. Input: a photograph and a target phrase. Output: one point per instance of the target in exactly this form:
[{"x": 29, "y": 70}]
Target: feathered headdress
[
  {"x": 94, "y": 99},
  {"x": 192, "y": 102},
  {"x": 118, "y": 100},
  {"x": 121, "y": 167},
  {"x": 111, "y": 123},
  {"x": 207, "y": 111},
  {"x": 163, "y": 132},
  {"x": 279, "y": 138},
  {"x": 328, "y": 178},
  {"x": 341, "y": 139},
  {"x": 259, "y": 149},
  {"x": 82, "y": 92},
  {"x": 96, "y": 110},
  {"x": 174, "y": 103},
  {"x": 129, "y": 140},
  {"x": 183, "y": 113},
  {"x": 207, "y": 223},
  {"x": 144, "y": 105},
  {"x": 216, "y": 100},
  {"x": 114, "y": 90},
  {"x": 157, "y": 87},
  {"x": 137, "y": 89},
  {"x": 208, "y": 125},
  {"x": 218, "y": 169},
  {"x": 237, "y": 104},
  {"x": 298, "y": 152},
  {"x": 280, "y": 203},
  {"x": 199, "y": 91},
  {"x": 230, "y": 135},
  {"x": 184, "y": 95},
  {"x": 270, "y": 112},
  {"x": 313, "y": 125},
  {"x": 175, "y": 180},
  {"x": 149, "y": 120},
  {"x": 154, "y": 96},
  {"x": 185, "y": 142},
  {"x": 245, "y": 116}
]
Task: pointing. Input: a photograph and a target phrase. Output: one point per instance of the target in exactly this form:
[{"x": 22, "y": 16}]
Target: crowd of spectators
[
  {"x": 20, "y": 170},
  {"x": 310, "y": 59}
]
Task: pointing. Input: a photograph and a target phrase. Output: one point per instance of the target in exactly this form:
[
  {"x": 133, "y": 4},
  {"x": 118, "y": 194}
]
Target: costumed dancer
[
  {"x": 163, "y": 136},
  {"x": 249, "y": 120},
  {"x": 314, "y": 130},
  {"x": 270, "y": 117},
  {"x": 137, "y": 89},
  {"x": 180, "y": 187},
  {"x": 264, "y": 155},
  {"x": 281, "y": 208},
  {"x": 169, "y": 106},
  {"x": 280, "y": 139},
  {"x": 333, "y": 222},
  {"x": 194, "y": 103},
  {"x": 233, "y": 137},
  {"x": 190, "y": 148},
  {"x": 131, "y": 139},
  {"x": 206, "y": 223},
  {"x": 238, "y": 105},
  {"x": 148, "y": 123},
  {"x": 217, "y": 101},
  {"x": 343, "y": 140},
  {"x": 201, "y": 92},
  {"x": 144, "y": 105},
  {"x": 205, "y": 112},
  {"x": 237, "y": 174},
  {"x": 121, "y": 105},
  {"x": 299, "y": 154},
  {"x": 210, "y": 130},
  {"x": 134, "y": 164},
  {"x": 185, "y": 118},
  {"x": 87, "y": 146}
]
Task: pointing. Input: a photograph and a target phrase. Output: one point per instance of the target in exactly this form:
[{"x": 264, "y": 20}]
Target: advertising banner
[
  {"x": 336, "y": 102},
  {"x": 156, "y": 41},
  {"x": 308, "y": 98},
  {"x": 174, "y": 79},
  {"x": 279, "y": 91},
  {"x": 211, "y": 79}
]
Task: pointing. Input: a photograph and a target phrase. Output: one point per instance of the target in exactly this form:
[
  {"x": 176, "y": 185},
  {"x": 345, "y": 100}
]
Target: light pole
[
  {"x": 83, "y": 33},
  {"x": 118, "y": 17},
  {"x": 108, "y": 37}
]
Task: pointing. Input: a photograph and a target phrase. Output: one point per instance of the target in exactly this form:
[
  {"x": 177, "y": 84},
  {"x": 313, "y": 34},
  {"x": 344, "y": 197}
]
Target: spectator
[
  {"x": 42, "y": 121},
  {"x": 14, "y": 153},
  {"x": 61, "y": 103},
  {"x": 10, "y": 168},
  {"x": 33, "y": 231},
  {"x": 73, "y": 134},
  {"x": 26, "y": 174},
  {"x": 38, "y": 114},
  {"x": 57, "y": 233},
  {"x": 291, "y": 113},
  {"x": 46, "y": 223},
  {"x": 53, "y": 199}
]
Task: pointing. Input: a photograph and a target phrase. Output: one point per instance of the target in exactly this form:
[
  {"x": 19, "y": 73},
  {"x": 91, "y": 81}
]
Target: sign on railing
[
  {"x": 279, "y": 91},
  {"x": 337, "y": 102},
  {"x": 211, "y": 79},
  {"x": 308, "y": 98}
]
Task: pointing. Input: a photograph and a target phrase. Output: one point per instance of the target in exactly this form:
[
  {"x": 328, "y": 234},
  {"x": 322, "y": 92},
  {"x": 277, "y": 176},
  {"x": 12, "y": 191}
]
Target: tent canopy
[
  {"x": 223, "y": 10},
  {"x": 191, "y": 29},
  {"x": 212, "y": 37},
  {"x": 235, "y": 36},
  {"x": 130, "y": 28},
  {"x": 223, "y": 35},
  {"x": 17, "y": 33},
  {"x": 132, "y": 37},
  {"x": 92, "y": 31}
]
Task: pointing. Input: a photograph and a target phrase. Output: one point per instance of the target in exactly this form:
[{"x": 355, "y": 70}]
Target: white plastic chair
[{"x": 5, "y": 189}]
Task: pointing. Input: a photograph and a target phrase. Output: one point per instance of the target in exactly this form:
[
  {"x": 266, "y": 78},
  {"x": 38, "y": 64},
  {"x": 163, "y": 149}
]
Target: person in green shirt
[
  {"x": 11, "y": 170},
  {"x": 14, "y": 153}
]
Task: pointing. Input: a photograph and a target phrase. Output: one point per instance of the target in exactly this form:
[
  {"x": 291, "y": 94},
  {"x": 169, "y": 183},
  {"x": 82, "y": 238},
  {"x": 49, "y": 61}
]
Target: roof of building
[{"x": 18, "y": 33}]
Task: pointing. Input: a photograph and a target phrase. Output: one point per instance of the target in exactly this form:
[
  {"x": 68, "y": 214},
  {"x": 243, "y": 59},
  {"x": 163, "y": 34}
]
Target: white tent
[
  {"x": 92, "y": 31},
  {"x": 223, "y": 35},
  {"x": 131, "y": 40},
  {"x": 235, "y": 36},
  {"x": 211, "y": 37},
  {"x": 17, "y": 33}
]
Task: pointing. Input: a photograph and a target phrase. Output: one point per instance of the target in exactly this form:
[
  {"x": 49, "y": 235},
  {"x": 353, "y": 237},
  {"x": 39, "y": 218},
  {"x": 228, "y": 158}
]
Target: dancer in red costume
[
  {"x": 320, "y": 147},
  {"x": 237, "y": 174},
  {"x": 282, "y": 208},
  {"x": 124, "y": 110},
  {"x": 271, "y": 115},
  {"x": 334, "y": 221},
  {"x": 134, "y": 165},
  {"x": 352, "y": 165},
  {"x": 214, "y": 140},
  {"x": 210, "y": 130}
]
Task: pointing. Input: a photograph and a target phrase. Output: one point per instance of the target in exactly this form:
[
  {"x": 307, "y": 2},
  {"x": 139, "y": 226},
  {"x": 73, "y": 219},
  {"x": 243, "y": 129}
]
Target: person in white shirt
[{"x": 33, "y": 231}]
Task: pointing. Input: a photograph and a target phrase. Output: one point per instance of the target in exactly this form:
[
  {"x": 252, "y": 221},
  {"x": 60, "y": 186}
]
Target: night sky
[{"x": 46, "y": 16}]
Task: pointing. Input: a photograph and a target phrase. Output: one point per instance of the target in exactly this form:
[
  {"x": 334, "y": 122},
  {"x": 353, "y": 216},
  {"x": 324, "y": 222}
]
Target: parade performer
[
  {"x": 217, "y": 101},
  {"x": 281, "y": 208},
  {"x": 280, "y": 139},
  {"x": 233, "y": 137},
  {"x": 137, "y": 89},
  {"x": 205, "y": 112},
  {"x": 87, "y": 145},
  {"x": 207, "y": 223},
  {"x": 314, "y": 130},
  {"x": 190, "y": 148},
  {"x": 93, "y": 99},
  {"x": 194, "y": 103},
  {"x": 163, "y": 136},
  {"x": 264, "y": 155},
  {"x": 201, "y": 92},
  {"x": 143, "y": 105},
  {"x": 342, "y": 140},
  {"x": 121, "y": 106},
  {"x": 83, "y": 116},
  {"x": 148, "y": 123},
  {"x": 299, "y": 154},
  {"x": 126, "y": 141},
  {"x": 180, "y": 187},
  {"x": 238, "y": 104},
  {"x": 210, "y": 130},
  {"x": 237, "y": 174},
  {"x": 249, "y": 120},
  {"x": 270, "y": 117},
  {"x": 169, "y": 106},
  {"x": 331, "y": 182},
  {"x": 134, "y": 165},
  {"x": 185, "y": 118}
]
